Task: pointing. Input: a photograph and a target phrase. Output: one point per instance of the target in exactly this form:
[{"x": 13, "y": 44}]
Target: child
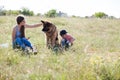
[{"x": 67, "y": 40}]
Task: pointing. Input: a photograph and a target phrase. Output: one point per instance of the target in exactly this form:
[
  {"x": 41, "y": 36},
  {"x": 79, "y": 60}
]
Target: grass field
[{"x": 95, "y": 54}]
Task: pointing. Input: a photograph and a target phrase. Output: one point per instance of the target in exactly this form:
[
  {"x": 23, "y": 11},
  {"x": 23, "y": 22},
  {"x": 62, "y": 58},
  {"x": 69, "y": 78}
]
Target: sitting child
[{"x": 67, "y": 40}]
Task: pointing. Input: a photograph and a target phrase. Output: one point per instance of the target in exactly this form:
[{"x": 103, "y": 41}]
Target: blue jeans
[
  {"x": 22, "y": 42},
  {"x": 65, "y": 43}
]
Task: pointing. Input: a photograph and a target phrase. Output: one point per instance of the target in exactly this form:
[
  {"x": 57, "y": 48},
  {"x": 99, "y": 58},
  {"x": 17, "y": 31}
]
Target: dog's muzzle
[{"x": 45, "y": 30}]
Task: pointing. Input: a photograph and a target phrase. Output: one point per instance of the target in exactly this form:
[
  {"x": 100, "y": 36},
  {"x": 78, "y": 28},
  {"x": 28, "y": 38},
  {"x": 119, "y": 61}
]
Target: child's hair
[{"x": 63, "y": 32}]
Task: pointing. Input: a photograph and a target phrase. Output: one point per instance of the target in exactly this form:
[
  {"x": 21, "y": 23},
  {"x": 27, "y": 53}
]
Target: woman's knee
[
  {"x": 17, "y": 39},
  {"x": 26, "y": 42}
]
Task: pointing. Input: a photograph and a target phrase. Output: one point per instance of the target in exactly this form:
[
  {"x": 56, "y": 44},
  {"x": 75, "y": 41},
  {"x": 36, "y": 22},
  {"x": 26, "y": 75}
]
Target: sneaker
[
  {"x": 35, "y": 50},
  {"x": 26, "y": 50}
]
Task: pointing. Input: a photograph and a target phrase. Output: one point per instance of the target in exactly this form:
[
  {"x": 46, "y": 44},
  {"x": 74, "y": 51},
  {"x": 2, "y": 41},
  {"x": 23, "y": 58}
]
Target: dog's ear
[{"x": 42, "y": 21}]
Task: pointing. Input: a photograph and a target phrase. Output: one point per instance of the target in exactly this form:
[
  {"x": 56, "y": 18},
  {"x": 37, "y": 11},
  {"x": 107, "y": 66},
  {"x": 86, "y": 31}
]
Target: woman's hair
[
  {"x": 19, "y": 19},
  {"x": 22, "y": 29}
]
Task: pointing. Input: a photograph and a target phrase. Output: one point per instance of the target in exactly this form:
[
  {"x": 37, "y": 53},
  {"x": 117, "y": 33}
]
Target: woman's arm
[
  {"x": 33, "y": 26},
  {"x": 13, "y": 34},
  {"x": 13, "y": 37}
]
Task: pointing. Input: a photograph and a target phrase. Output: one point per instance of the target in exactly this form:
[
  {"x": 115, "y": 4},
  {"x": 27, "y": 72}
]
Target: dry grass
[{"x": 95, "y": 54}]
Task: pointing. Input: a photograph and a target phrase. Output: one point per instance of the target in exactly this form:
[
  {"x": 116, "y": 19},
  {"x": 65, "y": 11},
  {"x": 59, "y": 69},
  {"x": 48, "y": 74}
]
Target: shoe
[
  {"x": 26, "y": 50},
  {"x": 35, "y": 50}
]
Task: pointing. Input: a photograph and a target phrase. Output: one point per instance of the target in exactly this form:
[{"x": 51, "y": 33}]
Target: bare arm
[
  {"x": 71, "y": 40},
  {"x": 33, "y": 26},
  {"x": 13, "y": 34}
]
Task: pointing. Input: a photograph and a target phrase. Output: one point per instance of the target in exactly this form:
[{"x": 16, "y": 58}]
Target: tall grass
[{"x": 95, "y": 54}]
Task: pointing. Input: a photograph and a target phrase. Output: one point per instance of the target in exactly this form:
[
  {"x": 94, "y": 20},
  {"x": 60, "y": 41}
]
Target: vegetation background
[{"x": 95, "y": 54}]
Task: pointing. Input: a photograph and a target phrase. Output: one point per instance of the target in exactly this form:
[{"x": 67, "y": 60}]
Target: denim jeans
[
  {"x": 65, "y": 43},
  {"x": 22, "y": 42}
]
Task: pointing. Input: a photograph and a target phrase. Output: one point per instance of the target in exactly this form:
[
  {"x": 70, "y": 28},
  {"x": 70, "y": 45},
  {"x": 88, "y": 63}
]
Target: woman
[{"x": 18, "y": 34}]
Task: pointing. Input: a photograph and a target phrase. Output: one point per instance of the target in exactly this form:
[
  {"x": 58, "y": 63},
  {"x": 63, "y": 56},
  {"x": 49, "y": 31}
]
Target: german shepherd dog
[{"x": 51, "y": 34}]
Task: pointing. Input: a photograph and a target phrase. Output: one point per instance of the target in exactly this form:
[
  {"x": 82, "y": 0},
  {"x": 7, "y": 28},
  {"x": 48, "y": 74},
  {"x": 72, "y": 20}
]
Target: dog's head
[{"x": 47, "y": 26}]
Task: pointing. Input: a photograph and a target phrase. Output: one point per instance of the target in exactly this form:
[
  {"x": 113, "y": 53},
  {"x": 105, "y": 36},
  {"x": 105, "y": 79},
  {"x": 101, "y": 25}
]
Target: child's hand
[{"x": 71, "y": 44}]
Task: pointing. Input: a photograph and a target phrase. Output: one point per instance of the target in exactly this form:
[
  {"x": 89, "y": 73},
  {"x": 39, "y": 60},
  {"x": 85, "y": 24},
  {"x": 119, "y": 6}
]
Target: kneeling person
[{"x": 67, "y": 40}]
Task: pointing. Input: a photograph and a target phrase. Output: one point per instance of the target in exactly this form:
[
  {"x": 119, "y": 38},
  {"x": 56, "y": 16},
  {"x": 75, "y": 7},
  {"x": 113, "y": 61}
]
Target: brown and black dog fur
[{"x": 51, "y": 34}]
